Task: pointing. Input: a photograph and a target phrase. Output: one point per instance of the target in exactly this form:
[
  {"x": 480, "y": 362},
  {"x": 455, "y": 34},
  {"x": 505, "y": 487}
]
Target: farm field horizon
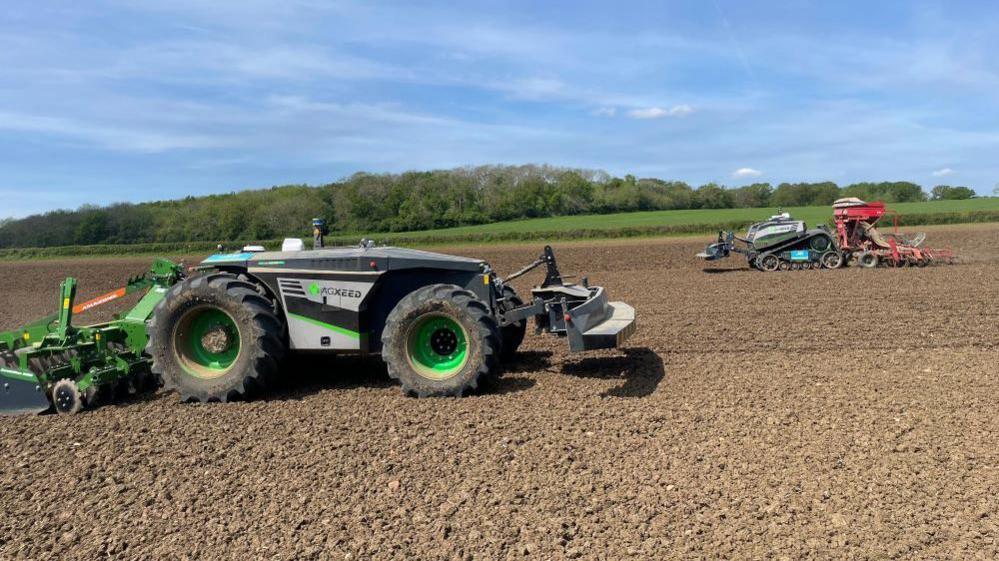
[{"x": 660, "y": 223}]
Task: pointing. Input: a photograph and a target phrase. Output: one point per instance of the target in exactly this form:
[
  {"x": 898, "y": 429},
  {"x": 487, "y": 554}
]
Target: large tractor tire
[
  {"x": 512, "y": 334},
  {"x": 440, "y": 340},
  {"x": 215, "y": 338}
]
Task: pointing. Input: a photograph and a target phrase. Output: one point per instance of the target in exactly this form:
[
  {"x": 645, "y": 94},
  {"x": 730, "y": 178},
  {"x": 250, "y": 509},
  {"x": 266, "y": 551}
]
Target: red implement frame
[{"x": 856, "y": 233}]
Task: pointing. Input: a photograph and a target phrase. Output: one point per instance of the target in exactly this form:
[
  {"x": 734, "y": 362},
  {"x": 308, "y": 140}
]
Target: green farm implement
[{"x": 51, "y": 364}]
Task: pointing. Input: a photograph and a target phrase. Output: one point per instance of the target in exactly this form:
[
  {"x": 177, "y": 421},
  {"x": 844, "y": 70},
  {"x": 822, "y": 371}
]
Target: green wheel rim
[
  {"x": 194, "y": 328},
  {"x": 437, "y": 347}
]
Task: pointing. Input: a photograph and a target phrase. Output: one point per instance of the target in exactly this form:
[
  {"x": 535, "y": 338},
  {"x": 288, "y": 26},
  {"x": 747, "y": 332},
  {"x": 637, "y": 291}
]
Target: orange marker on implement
[{"x": 80, "y": 308}]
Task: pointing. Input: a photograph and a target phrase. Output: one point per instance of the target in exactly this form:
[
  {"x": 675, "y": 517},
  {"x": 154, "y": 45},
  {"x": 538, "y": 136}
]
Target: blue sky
[{"x": 105, "y": 101}]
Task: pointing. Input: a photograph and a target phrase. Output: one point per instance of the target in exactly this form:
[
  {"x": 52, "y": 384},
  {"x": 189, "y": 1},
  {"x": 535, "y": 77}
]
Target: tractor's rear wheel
[
  {"x": 214, "y": 338},
  {"x": 512, "y": 334},
  {"x": 441, "y": 340}
]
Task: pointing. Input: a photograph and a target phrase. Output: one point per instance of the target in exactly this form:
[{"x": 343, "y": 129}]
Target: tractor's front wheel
[
  {"x": 441, "y": 340},
  {"x": 214, "y": 338}
]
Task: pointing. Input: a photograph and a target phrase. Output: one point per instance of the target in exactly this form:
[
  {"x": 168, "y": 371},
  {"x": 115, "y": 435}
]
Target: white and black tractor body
[
  {"x": 442, "y": 323},
  {"x": 339, "y": 298}
]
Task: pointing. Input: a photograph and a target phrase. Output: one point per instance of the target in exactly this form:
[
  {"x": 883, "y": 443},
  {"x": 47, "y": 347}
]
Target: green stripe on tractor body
[{"x": 336, "y": 329}]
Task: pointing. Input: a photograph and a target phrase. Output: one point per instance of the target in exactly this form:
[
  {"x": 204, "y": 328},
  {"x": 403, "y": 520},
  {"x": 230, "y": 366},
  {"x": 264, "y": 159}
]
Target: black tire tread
[
  {"x": 512, "y": 334},
  {"x": 265, "y": 335},
  {"x": 477, "y": 313}
]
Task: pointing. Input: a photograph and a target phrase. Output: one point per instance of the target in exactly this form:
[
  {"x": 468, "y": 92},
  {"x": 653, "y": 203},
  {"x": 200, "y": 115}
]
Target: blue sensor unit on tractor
[
  {"x": 800, "y": 255},
  {"x": 229, "y": 257}
]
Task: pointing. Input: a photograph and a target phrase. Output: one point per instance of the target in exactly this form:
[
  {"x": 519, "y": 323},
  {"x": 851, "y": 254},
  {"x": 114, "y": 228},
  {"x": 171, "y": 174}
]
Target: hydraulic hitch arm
[{"x": 579, "y": 312}]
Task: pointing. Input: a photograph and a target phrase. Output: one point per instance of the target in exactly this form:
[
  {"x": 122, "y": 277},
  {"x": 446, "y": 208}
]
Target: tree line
[{"x": 421, "y": 200}]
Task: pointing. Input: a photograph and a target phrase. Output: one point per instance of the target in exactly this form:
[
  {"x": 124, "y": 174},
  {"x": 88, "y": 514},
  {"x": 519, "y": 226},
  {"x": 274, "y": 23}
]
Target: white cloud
[
  {"x": 746, "y": 172},
  {"x": 288, "y": 105},
  {"x": 214, "y": 61},
  {"x": 659, "y": 112},
  {"x": 605, "y": 111},
  {"x": 114, "y": 137},
  {"x": 943, "y": 172}
]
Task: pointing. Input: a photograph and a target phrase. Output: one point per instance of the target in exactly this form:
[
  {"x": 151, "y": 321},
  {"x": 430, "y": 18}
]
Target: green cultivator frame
[{"x": 52, "y": 364}]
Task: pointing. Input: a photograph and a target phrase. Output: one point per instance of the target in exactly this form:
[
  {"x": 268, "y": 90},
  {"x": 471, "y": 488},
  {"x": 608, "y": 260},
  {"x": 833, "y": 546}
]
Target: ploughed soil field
[{"x": 802, "y": 414}]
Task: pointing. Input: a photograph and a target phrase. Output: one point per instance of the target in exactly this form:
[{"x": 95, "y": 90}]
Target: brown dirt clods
[{"x": 809, "y": 414}]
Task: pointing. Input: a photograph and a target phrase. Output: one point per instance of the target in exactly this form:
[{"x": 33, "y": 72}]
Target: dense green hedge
[{"x": 443, "y": 239}]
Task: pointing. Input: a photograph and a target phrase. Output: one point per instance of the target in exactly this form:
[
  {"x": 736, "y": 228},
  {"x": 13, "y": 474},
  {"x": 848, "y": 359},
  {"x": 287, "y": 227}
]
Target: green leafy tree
[
  {"x": 93, "y": 228},
  {"x": 712, "y": 195},
  {"x": 905, "y": 192},
  {"x": 948, "y": 193},
  {"x": 805, "y": 194},
  {"x": 889, "y": 191},
  {"x": 620, "y": 195},
  {"x": 756, "y": 195},
  {"x": 678, "y": 195},
  {"x": 574, "y": 193}
]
